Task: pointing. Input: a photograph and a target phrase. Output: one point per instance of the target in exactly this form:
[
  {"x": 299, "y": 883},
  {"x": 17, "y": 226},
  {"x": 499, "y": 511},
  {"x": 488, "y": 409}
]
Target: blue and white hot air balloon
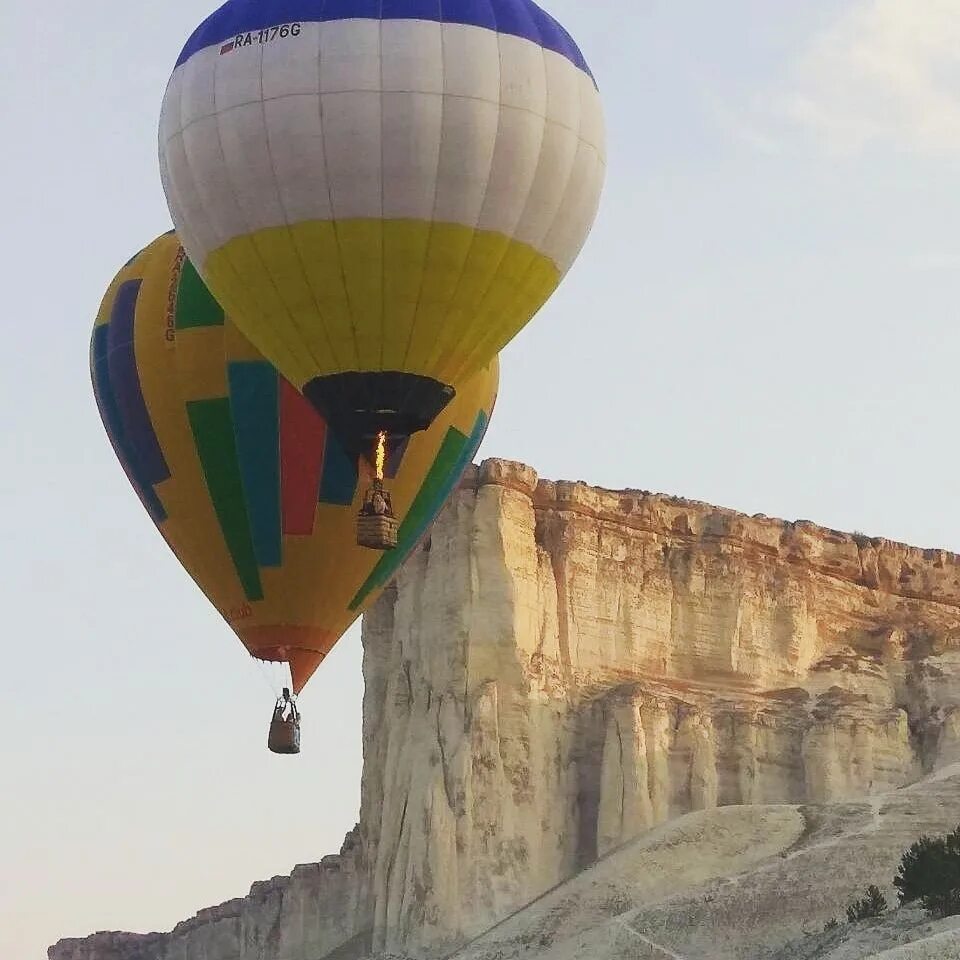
[{"x": 381, "y": 193}]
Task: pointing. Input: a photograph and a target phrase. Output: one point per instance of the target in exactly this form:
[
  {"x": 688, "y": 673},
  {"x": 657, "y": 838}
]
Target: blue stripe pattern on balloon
[
  {"x": 125, "y": 382},
  {"x": 518, "y": 18}
]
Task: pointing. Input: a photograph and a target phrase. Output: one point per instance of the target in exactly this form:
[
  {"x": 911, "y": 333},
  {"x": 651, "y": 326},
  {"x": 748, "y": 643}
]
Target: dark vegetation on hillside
[{"x": 929, "y": 874}]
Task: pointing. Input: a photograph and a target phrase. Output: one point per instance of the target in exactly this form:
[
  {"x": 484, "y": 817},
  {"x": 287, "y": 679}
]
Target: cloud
[
  {"x": 886, "y": 71},
  {"x": 934, "y": 260}
]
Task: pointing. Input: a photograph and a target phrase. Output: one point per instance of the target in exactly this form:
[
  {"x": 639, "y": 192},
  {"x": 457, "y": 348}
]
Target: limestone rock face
[
  {"x": 314, "y": 911},
  {"x": 111, "y": 946},
  {"x": 560, "y": 668}
]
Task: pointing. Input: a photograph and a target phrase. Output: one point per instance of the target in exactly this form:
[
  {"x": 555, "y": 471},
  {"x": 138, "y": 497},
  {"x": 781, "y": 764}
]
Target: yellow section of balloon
[
  {"x": 434, "y": 299},
  {"x": 248, "y": 486}
]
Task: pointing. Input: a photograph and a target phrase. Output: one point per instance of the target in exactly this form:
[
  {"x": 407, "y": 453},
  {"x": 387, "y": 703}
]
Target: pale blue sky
[{"x": 764, "y": 318}]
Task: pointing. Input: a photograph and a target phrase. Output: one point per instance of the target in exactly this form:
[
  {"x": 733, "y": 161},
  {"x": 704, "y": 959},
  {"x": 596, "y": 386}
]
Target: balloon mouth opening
[
  {"x": 282, "y": 655},
  {"x": 273, "y": 655},
  {"x": 303, "y": 649},
  {"x": 360, "y": 407}
]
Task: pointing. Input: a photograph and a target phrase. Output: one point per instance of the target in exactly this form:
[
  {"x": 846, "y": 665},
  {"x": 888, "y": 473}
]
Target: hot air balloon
[
  {"x": 381, "y": 193},
  {"x": 243, "y": 478}
]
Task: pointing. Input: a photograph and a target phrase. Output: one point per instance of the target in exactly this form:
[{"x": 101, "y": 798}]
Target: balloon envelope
[
  {"x": 381, "y": 187},
  {"x": 253, "y": 493}
]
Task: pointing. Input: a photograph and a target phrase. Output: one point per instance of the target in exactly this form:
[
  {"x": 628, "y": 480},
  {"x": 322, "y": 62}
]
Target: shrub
[
  {"x": 872, "y": 905},
  {"x": 831, "y": 924},
  {"x": 929, "y": 872}
]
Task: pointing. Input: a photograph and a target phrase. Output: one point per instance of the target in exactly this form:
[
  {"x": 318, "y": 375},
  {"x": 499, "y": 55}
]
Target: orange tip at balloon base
[{"x": 303, "y": 648}]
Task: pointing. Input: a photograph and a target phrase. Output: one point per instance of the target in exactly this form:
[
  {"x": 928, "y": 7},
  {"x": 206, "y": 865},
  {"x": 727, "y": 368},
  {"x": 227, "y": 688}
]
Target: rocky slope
[
  {"x": 743, "y": 883},
  {"x": 560, "y": 669}
]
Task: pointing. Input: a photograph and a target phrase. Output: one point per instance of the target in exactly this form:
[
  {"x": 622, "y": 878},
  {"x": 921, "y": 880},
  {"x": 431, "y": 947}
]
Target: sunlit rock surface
[{"x": 560, "y": 669}]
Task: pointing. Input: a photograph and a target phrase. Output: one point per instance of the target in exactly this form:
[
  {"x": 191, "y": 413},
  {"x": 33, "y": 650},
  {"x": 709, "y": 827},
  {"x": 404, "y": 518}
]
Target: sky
[{"x": 764, "y": 318}]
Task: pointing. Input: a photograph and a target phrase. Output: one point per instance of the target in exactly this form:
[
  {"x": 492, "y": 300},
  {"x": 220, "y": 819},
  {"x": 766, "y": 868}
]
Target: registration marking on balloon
[
  {"x": 173, "y": 289},
  {"x": 267, "y": 35}
]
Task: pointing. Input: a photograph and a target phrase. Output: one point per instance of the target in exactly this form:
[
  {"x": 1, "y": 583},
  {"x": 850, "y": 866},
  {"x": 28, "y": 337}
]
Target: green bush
[
  {"x": 929, "y": 872},
  {"x": 872, "y": 905},
  {"x": 831, "y": 924}
]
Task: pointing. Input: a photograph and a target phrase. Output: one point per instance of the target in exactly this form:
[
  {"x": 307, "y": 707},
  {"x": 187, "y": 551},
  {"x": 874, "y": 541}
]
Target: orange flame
[{"x": 381, "y": 453}]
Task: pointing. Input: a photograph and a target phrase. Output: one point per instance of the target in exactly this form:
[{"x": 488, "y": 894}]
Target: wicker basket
[
  {"x": 284, "y": 736},
  {"x": 377, "y": 531}
]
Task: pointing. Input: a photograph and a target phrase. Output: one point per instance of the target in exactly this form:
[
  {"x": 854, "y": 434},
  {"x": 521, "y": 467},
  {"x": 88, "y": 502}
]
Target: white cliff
[{"x": 560, "y": 669}]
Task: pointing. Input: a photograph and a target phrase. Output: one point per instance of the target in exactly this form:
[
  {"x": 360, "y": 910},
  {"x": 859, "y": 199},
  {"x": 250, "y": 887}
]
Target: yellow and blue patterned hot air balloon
[
  {"x": 253, "y": 493},
  {"x": 381, "y": 193}
]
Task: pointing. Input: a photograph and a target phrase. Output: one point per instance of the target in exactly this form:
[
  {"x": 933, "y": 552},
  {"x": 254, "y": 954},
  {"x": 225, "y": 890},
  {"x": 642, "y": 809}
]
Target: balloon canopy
[
  {"x": 381, "y": 193},
  {"x": 249, "y": 487}
]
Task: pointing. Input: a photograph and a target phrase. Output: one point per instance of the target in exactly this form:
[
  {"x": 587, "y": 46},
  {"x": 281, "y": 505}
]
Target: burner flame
[{"x": 381, "y": 453}]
